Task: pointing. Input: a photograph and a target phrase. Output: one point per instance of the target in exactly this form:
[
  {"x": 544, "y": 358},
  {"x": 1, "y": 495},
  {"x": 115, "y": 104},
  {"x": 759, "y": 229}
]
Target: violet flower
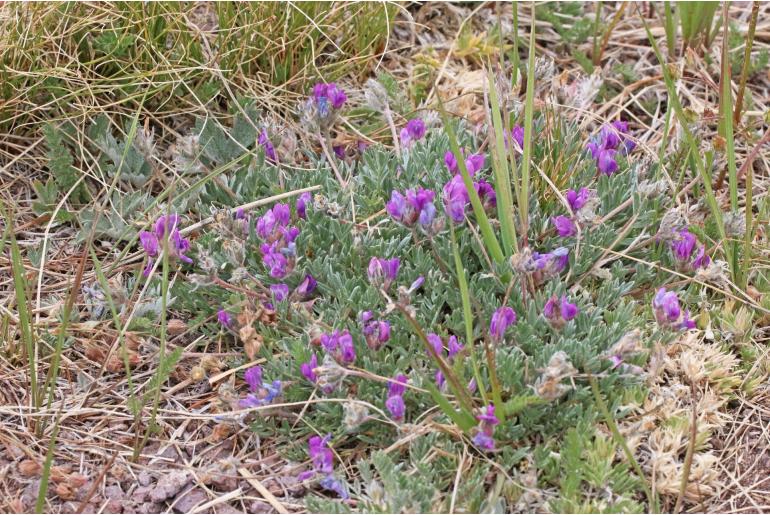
[
  {"x": 274, "y": 260},
  {"x": 261, "y": 393},
  {"x": 577, "y": 199},
  {"x": 455, "y": 347},
  {"x": 484, "y": 437},
  {"x": 376, "y": 332},
  {"x": 473, "y": 163},
  {"x": 668, "y": 313},
  {"x": 502, "y": 319},
  {"x": 269, "y": 225},
  {"x": 267, "y": 145},
  {"x": 308, "y": 369},
  {"x": 559, "y": 312},
  {"x": 306, "y": 287},
  {"x": 382, "y": 272},
  {"x": 701, "y": 259},
  {"x": 546, "y": 266},
  {"x": 340, "y": 346},
  {"x": 415, "y": 206},
  {"x": 564, "y": 226},
  {"x": 456, "y": 198},
  {"x": 395, "y": 400},
  {"x": 167, "y": 227},
  {"x": 322, "y": 460},
  {"x": 611, "y": 140},
  {"x": 280, "y": 291},
  {"x": 414, "y": 131},
  {"x": 517, "y": 133},
  {"x": 303, "y": 201},
  {"x": 328, "y": 95},
  {"x": 253, "y": 377},
  {"x": 486, "y": 194},
  {"x": 223, "y": 317},
  {"x": 339, "y": 151}
]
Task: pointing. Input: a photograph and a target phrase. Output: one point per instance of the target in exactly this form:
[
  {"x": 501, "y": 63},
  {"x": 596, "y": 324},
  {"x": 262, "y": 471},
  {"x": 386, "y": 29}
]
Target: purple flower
[
  {"x": 267, "y": 145},
  {"x": 395, "y": 400},
  {"x": 473, "y": 163},
  {"x": 280, "y": 291},
  {"x": 517, "y": 134},
  {"x": 612, "y": 139},
  {"x": 326, "y": 95},
  {"x": 550, "y": 264},
  {"x": 414, "y": 130},
  {"x": 564, "y": 225},
  {"x": 376, "y": 332},
  {"x": 274, "y": 260},
  {"x": 306, "y": 287},
  {"x": 440, "y": 380},
  {"x": 397, "y": 385},
  {"x": 683, "y": 245},
  {"x": 166, "y": 227},
  {"x": 577, "y": 200},
  {"x": 455, "y": 198},
  {"x": 486, "y": 194},
  {"x": 559, "y": 312},
  {"x": 321, "y": 455},
  {"x": 302, "y": 202},
  {"x": 454, "y": 346},
  {"x": 701, "y": 260},
  {"x": 415, "y": 206},
  {"x": 149, "y": 243},
  {"x": 606, "y": 162},
  {"x": 253, "y": 377},
  {"x": 382, "y": 272},
  {"x": 484, "y": 437},
  {"x": 396, "y": 407},
  {"x": 261, "y": 393},
  {"x": 668, "y": 313},
  {"x": 340, "y": 346},
  {"x": 308, "y": 369},
  {"x": 269, "y": 224},
  {"x": 502, "y": 318},
  {"x": 339, "y": 151},
  {"x": 223, "y": 317},
  {"x": 436, "y": 343},
  {"x": 322, "y": 460}
]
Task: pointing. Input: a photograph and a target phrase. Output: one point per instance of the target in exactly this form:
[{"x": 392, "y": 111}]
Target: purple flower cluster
[
  {"x": 339, "y": 345},
  {"x": 502, "y": 319},
  {"x": 454, "y": 347},
  {"x": 473, "y": 163},
  {"x": 683, "y": 249},
  {"x": 415, "y": 206},
  {"x": 544, "y": 266},
  {"x": 414, "y": 131},
  {"x": 559, "y": 311},
  {"x": 668, "y": 313},
  {"x": 376, "y": 332},
  {"x": 322, "y": 459},
  {"x": 278, "y": 249},
  {"x": 261, "y": 393},
  {"x": 577, "y": 199},
  {"x": 612, "y": 139},
  {"x": 328, "y": 98},
  {"x": 308, "y": 369},
  {"x": 564, "y": 226},
  {"x": 395, "y": 400},
  {"x": 267, "y": 146},
  {"x": 224, "y": 318},
  {"x": 166, "y": 229},
  {"x": 484, "y": 437},
  {"x": 457, "y": 198},
  {"x": 382, "y": 272}
]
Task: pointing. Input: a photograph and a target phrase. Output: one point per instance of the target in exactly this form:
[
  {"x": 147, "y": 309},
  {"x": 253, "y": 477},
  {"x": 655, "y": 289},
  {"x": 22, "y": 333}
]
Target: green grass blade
[
  {"x": 25, "y": 320},
  {"x": 467, "y": 314},
  {"x": 502, "y": 175},
  {"x": 529, "y": 105},
  {"x": 487, "y": 233},
  {"x": 693, "y": 144},
  {"x": 46, "y": 473}
]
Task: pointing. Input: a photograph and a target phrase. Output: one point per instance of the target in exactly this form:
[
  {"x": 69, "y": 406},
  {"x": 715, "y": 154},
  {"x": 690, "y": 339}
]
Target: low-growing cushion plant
[{"x": 401, "y": 347}]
